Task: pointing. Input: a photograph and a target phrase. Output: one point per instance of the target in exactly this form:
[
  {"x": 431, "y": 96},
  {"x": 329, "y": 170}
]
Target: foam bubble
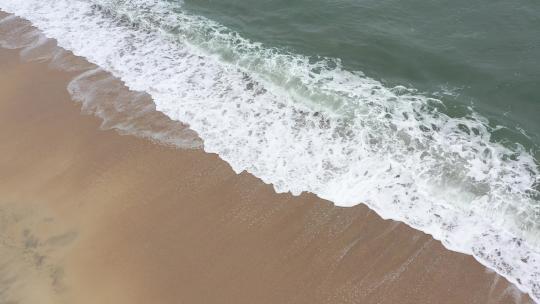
[{"x": 307, "y": 124}]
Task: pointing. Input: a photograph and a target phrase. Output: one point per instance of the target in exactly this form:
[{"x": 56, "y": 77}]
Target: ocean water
[{"x": 426, "y": 112}]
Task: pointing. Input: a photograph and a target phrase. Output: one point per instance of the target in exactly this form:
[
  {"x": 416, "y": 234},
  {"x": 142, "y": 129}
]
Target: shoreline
[{"x": 154, "y": 221}]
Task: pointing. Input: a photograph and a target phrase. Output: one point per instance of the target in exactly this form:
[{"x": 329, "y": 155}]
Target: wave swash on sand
[{"x": 307, "y": 124}]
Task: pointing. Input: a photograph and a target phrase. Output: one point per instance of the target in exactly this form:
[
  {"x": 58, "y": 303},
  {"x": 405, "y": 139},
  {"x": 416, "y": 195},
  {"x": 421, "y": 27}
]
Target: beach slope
[{"x": 90, "y": 216}]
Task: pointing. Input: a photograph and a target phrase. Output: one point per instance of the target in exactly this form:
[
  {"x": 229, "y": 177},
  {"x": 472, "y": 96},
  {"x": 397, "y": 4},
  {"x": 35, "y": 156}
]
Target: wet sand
[{"x": 91, "y": 216}]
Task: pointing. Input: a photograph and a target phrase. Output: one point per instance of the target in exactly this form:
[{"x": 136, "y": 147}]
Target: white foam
[
  {"x": 101, "y": 94},
  {"x": 306, "y": 124},
  {"x": 128, "y": 112}
]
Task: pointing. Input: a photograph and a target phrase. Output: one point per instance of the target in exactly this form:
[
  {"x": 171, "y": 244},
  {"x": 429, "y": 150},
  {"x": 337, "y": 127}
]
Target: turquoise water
[{"x": 483, "y": 53}]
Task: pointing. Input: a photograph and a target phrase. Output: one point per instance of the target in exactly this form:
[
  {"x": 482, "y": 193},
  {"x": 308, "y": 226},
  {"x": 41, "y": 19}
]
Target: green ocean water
[{"x": 484, "y": 54}]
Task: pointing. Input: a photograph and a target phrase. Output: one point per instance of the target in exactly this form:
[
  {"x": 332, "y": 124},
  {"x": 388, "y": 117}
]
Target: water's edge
[{"x": 487, "y": 256}]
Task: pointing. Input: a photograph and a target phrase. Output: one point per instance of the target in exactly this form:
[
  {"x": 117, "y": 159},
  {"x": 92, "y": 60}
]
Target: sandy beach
[{"x": 91, "y": 216}]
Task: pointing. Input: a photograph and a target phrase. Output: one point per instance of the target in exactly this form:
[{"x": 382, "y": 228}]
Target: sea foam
[
  {"x": 308, "y": 124},
  {"x": 100, "y": 94}
]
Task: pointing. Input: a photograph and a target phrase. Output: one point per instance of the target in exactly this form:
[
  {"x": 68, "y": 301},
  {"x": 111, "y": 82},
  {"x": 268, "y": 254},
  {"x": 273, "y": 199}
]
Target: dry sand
[{"x": 91, "y": 216}]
